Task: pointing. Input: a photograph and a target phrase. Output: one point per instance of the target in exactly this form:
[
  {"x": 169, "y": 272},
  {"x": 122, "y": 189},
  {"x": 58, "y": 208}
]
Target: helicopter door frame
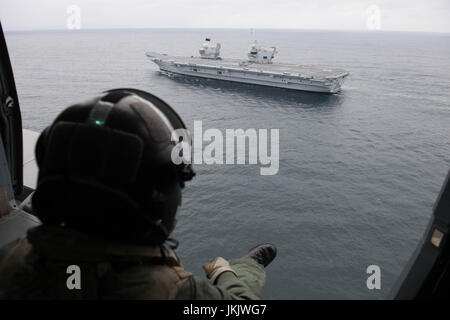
[{"x": 10, "y": 119}]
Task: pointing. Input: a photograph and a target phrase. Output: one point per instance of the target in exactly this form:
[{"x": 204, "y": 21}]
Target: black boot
[{"x": 263, "y": 253}]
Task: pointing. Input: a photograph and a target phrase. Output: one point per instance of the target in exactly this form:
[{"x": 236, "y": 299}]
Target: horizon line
[{"x": 222, "y": 28}]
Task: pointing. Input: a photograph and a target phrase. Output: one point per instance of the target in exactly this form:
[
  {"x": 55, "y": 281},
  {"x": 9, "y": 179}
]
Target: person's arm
[{"x": 243, "y": 282}]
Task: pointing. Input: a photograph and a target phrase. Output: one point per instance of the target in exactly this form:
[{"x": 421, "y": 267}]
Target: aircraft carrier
[{"x": 258, "y": 69}]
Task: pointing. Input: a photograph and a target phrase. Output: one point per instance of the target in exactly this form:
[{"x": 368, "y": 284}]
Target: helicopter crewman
[{"x": 107, "y": 196}]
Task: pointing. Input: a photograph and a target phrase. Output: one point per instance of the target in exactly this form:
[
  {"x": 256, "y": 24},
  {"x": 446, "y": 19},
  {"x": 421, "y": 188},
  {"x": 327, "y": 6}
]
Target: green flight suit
[{"x": 36, "y": 268}]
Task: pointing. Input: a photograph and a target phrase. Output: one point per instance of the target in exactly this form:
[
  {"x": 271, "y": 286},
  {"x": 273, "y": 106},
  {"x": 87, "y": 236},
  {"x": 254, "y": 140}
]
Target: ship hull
[{"x": 268, "y": 75}]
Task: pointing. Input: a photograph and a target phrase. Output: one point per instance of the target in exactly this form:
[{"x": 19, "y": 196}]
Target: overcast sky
[{"x": 399, "y": 15}]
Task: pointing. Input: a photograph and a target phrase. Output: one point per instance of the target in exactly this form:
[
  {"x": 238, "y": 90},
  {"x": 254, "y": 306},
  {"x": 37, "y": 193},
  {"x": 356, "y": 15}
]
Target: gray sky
[{"x": 399, "y": 15}]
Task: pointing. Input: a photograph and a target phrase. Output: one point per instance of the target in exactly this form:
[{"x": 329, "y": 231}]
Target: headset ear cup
[{"x": 39, "y": 150}]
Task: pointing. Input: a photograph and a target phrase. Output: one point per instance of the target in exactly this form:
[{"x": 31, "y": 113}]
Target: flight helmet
[{"x": 105, "y": 168}]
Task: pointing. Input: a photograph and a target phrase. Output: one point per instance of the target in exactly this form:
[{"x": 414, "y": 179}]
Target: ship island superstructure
[{"x": 258, "y": 69}]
